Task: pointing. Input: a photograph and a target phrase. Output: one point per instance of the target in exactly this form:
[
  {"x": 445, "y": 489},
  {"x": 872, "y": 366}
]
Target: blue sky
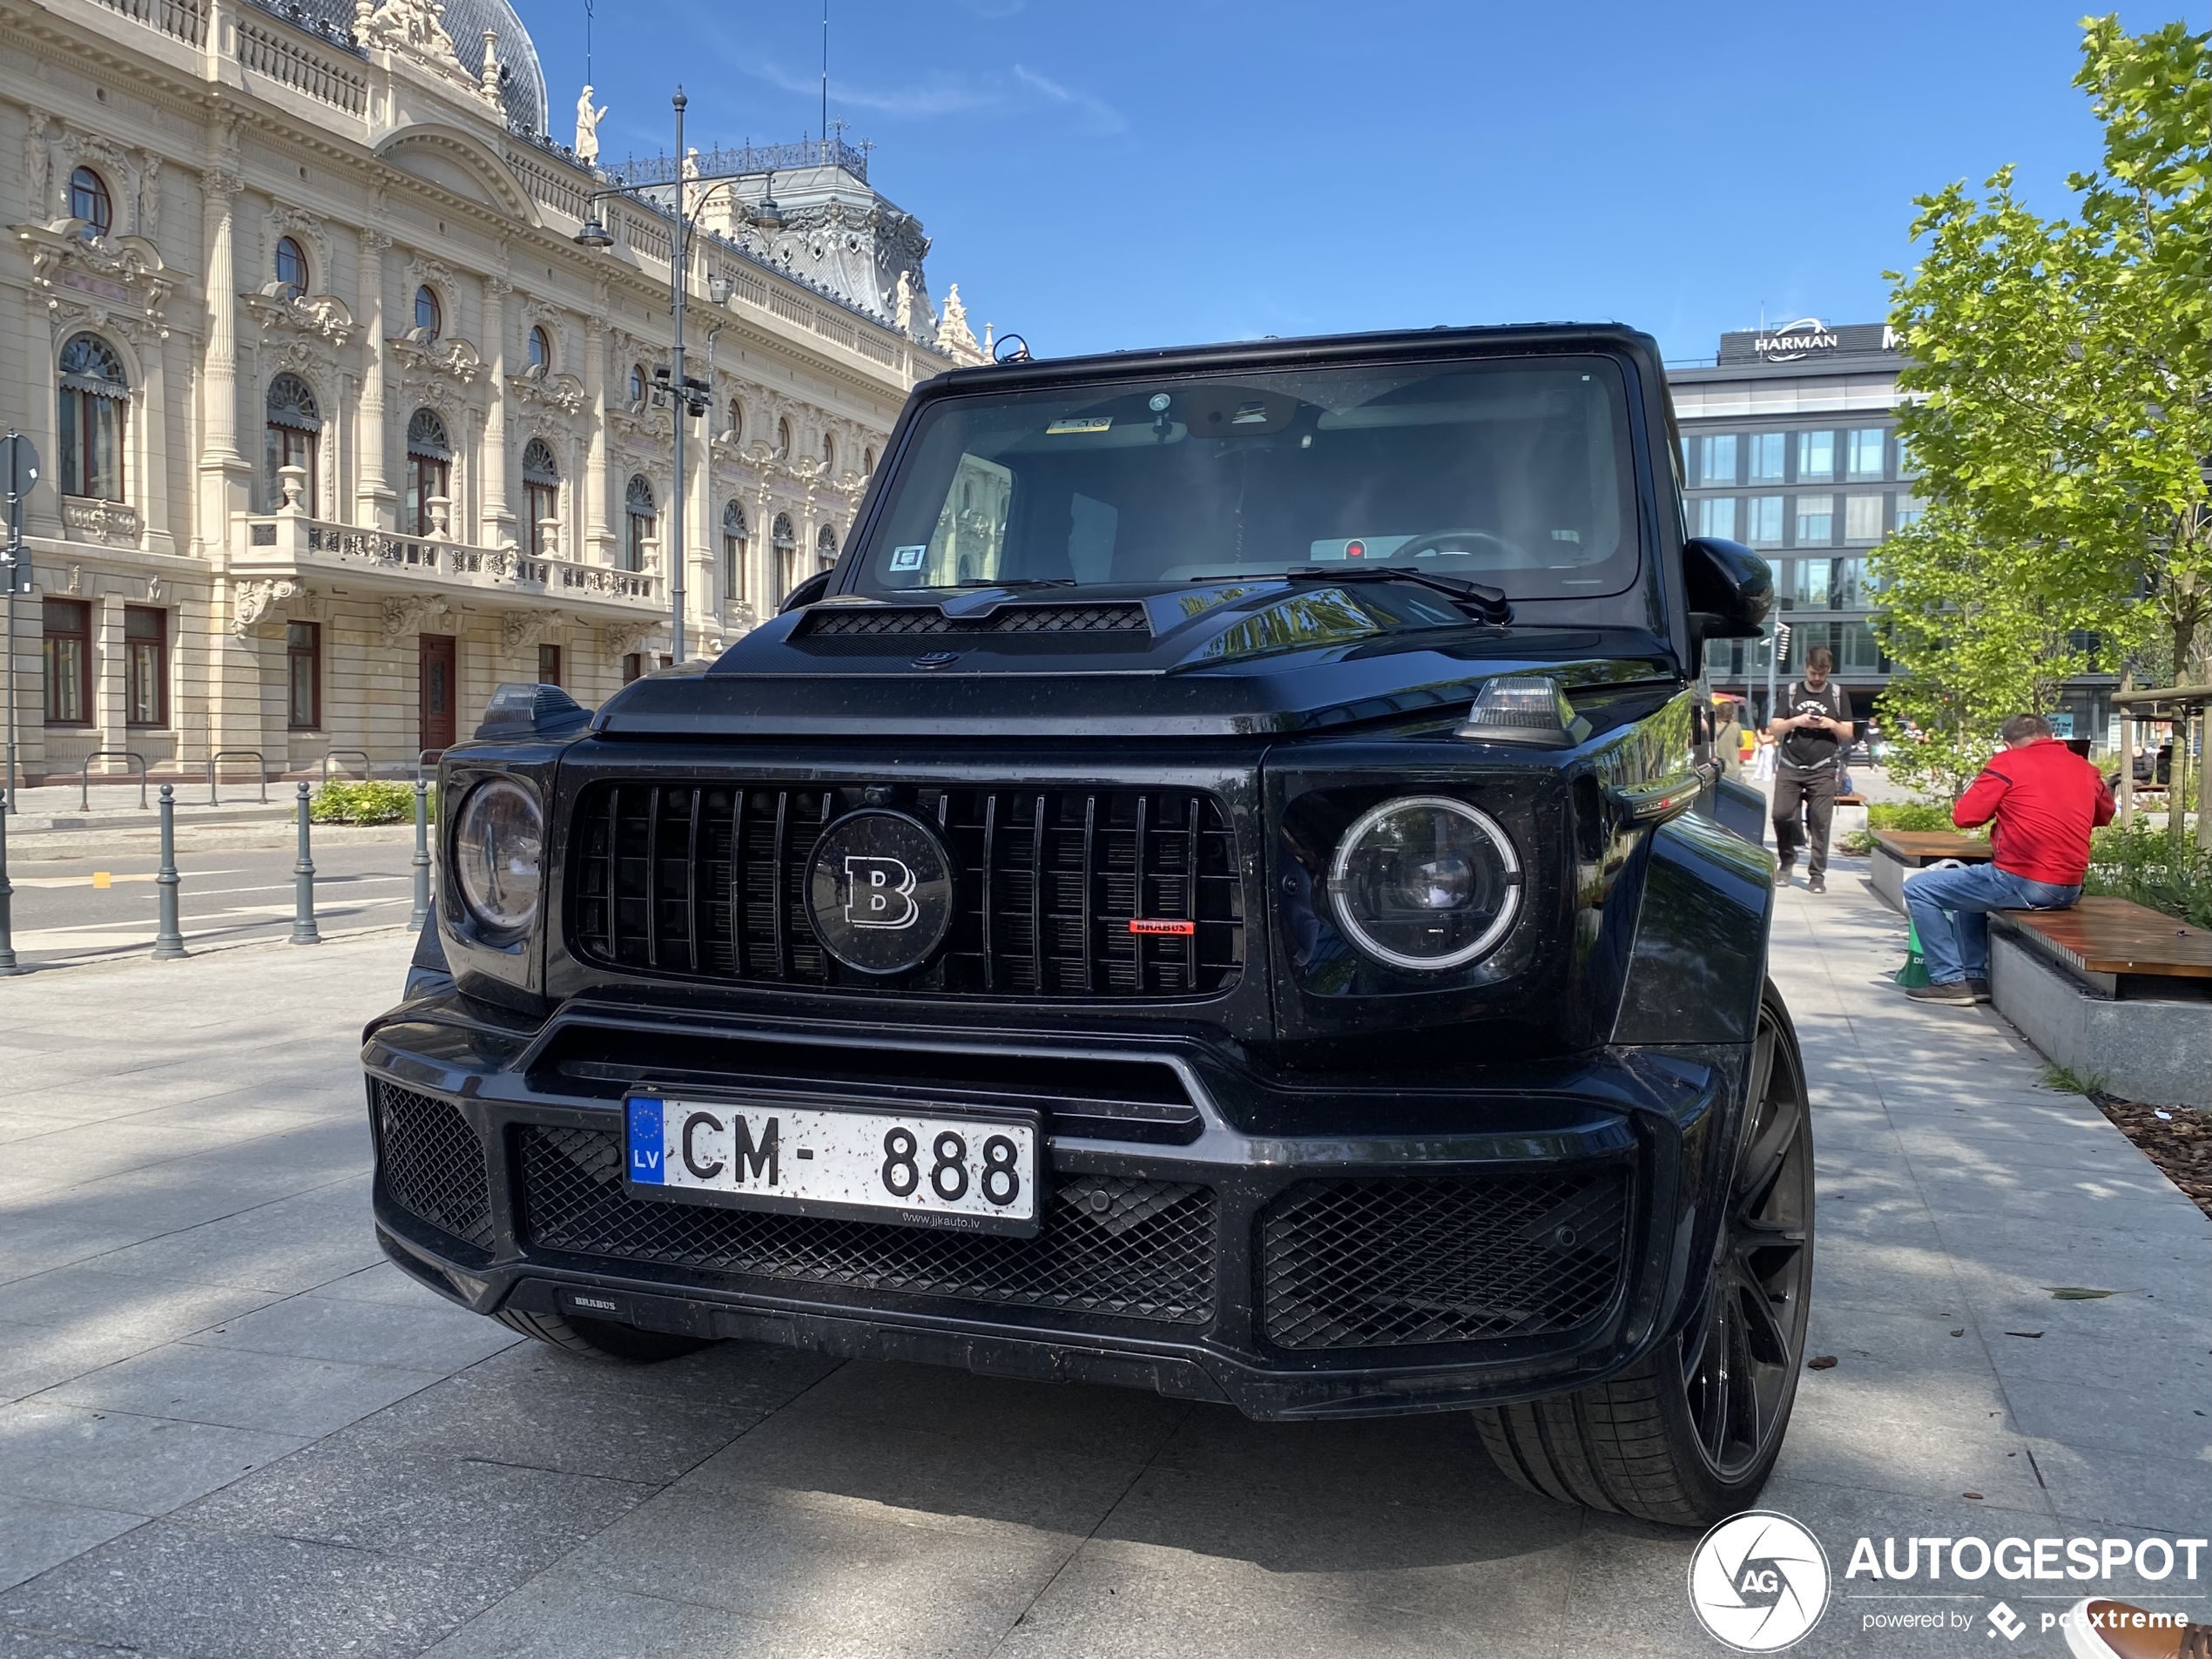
[{"x": 1118, "y": 175}]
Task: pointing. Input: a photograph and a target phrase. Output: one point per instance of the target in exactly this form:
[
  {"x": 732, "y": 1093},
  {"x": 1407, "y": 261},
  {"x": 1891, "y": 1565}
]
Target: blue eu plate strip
[{"x": 645, "y": 1142}]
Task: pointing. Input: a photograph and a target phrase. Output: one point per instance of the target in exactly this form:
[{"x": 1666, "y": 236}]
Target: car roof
[{"x": 1403, "y": 344}]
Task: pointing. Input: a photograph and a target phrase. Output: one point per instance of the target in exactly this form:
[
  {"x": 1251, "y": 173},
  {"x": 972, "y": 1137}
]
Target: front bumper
[{"x": 1424, "y": 1243}]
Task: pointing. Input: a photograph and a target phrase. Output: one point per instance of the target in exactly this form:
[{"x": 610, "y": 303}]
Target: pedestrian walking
[
  {"x": 2045, "y": 799},
  {"x": 1809, "y": 738}
]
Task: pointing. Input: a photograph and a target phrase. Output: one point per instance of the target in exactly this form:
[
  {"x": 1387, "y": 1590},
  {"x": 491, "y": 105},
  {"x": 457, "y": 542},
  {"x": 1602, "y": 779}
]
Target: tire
[
  {"x": 601, "y": 1339},
  {"x": 1687, "y": 1435}
]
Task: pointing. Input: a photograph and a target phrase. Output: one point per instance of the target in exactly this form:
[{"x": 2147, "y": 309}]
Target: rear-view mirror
[{"x": 1731, "y": 589}]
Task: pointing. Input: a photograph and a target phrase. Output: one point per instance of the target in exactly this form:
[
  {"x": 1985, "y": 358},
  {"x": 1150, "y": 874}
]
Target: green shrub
[
  {"x": 2149, "y": 867},
  {"x": 1909, "y": 815},
  {"x": 371, "y": 801}
]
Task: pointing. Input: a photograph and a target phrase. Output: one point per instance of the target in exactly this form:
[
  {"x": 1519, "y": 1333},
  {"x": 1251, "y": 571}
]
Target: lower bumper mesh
[
  {"x": 1134, "y": 1249},
  {"x": 1382, "y": 1264},
  {"x": 431, "y": 1163}
]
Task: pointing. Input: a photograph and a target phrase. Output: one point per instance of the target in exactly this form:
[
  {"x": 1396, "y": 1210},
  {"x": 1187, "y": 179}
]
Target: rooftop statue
[{"x": 587, "y": 128}]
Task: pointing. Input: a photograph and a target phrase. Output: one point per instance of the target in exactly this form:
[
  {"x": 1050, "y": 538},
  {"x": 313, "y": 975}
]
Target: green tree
[{"x": 2059, "y": 414}]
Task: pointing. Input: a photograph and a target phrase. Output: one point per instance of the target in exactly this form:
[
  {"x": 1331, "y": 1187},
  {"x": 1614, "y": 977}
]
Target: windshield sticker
[
  {"x": 908, "y": 559},
  {"x": 1080, "y": 423}
]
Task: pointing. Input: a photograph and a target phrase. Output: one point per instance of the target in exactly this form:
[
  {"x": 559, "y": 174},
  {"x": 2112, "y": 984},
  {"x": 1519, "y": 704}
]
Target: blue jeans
[{"x": 1951, "y": 912}]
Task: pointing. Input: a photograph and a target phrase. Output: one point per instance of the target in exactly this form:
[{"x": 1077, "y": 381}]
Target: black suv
[{"x": 1225, "y": 888}]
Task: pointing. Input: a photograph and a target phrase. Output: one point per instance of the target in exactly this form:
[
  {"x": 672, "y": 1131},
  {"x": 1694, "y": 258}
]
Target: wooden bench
[
  {"x": 1899, "y": 852},
  {"x": 2105, "y": 943},
  {"x": 2110, "y": 990}
]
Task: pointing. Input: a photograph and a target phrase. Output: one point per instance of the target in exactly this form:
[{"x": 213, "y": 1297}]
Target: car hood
[{"x": 1247, "y": 658}]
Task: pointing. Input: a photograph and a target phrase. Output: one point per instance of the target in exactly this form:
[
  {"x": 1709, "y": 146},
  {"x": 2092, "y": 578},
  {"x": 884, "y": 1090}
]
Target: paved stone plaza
[{"x": 230, "y": 1428}]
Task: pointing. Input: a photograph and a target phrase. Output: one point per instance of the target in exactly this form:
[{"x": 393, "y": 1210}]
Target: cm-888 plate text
[{"x": 961, "y": 1174}]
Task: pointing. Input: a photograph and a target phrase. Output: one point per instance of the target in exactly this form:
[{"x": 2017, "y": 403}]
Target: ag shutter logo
[{"x": 1758, "y": 1582}]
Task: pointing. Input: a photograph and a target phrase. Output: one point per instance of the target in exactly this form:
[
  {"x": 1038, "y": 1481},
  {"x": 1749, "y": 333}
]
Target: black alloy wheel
[
  {"x": 1740, "y": 1368},
  {"x": 1687, "y": 1435}
]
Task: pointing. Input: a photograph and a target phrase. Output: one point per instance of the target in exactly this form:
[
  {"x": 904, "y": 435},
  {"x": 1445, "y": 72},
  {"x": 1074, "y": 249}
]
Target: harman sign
[{"x": 1807, "y": 337}]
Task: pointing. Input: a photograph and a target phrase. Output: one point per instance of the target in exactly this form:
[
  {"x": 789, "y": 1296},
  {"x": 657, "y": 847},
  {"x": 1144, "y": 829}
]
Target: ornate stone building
[{"x": 340, "y": 428}]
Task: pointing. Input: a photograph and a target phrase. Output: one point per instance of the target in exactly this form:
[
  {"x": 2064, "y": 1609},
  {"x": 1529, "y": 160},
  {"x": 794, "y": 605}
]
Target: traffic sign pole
[{"x": 19, "y": 472}]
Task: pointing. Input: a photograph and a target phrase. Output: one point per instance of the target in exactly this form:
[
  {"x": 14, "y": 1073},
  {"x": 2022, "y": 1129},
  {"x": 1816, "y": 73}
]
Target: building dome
[{"x": 521, "y": 81}]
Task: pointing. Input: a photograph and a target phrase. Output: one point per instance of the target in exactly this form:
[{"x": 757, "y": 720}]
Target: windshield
[{"x": 1513, "y": 473}]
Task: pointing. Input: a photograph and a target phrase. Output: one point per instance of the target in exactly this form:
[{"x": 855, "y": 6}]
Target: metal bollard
[
  {"x": 168, "y": 943},
  {"x": 303, "y": 876},
  {"x": 8, "y": 965},
  {"x": 421, "y": 911}
]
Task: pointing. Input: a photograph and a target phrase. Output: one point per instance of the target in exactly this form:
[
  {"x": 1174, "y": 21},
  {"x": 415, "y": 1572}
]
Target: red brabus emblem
[{"x": 1141, "y": 925}]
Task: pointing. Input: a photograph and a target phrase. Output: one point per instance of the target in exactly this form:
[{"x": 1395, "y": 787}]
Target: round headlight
[
  {"x": 1425, "y": 883},
  {"x": 499, "y": 854}
]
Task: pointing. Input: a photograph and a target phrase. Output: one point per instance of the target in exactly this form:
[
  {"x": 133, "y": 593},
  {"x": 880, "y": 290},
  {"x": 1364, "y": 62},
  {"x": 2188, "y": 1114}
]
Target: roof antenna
[
  {"x": 587, "y": 41},
  {"x": 825, "y": 80}
]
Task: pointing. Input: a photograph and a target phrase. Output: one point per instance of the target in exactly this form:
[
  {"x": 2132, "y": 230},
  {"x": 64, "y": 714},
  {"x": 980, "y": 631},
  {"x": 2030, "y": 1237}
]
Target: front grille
[
  {"x": 1134, "y": 1249},
  {"x": 432, "y": 1162},
  {"x": 710, "y": 881},
  {"x": 899, "y": 622},
  {"x": 1367, "y": 1263}
]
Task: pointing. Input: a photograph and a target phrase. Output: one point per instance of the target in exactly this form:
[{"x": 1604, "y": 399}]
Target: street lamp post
[{"x": 687, "y": 398}]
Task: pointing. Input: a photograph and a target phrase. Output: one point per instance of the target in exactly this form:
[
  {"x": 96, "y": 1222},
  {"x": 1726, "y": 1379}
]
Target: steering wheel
[{"x": 1441, "y": 541}]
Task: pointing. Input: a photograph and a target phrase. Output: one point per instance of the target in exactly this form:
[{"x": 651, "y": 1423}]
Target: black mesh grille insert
[
  {"x": 866, "y": 622},
  {"x": 711, "y": 881},
  {"x": 1363, "y": 1263},
  {"x": 1134, "y": 1250},
  {"x": 433, "y": 1164}
]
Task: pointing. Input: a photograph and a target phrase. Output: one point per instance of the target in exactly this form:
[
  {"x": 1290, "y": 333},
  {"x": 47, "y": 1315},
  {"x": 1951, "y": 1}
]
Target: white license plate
[{"x": 962, "y": 1174}]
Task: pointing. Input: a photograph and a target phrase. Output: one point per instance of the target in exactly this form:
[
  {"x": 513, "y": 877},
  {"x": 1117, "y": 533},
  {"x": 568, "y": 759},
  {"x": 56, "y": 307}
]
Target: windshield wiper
[
  {"x": 1488, "y": 603},
  {"x": 1004, "y": 581}
]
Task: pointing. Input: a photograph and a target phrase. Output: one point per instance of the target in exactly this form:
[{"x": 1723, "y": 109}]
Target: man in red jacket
[{"x": 2046, "y": 800}]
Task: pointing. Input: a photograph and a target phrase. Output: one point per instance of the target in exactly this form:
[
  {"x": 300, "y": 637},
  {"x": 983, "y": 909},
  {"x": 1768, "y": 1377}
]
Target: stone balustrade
[{"x": 292, "y": 544}]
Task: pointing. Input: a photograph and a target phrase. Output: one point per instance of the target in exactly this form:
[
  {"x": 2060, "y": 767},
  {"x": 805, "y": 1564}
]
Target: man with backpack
[{"x": 1810, "y": 730}]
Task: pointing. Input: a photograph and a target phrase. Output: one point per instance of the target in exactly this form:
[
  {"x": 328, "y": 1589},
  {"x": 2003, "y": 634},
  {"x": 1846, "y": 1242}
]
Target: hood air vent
[{"x": 909, "y": 621}]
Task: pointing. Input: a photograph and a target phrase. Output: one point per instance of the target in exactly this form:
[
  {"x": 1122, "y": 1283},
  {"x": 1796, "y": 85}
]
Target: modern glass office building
[{"x": 1789, "y": 444}]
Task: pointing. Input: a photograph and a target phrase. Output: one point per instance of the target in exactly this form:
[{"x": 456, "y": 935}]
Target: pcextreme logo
[{"x": 1758, "y": 1582}]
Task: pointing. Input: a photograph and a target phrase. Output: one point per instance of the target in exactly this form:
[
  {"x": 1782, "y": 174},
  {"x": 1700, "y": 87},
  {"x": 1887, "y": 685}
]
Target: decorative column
[
  {"x": 375, "y": 508},
  {"x": 598, "y": 535},
  {"x": 499, "y": 519},
  {"x": 224, "y": 478}
]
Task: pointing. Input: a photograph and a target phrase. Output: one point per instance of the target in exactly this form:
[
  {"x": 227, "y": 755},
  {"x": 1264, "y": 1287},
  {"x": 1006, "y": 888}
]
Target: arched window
[
  {"x": 429, "y": 469},
  {"x": 291, "y": 438},
  {"x": 642, "y": 519},
  {"x": 95, "y": 397},
  {"x": 541, "y": 497},
  {"x": 734, "y": 540},
  {"x": 868, "y": 461},
  {"x": 737, "y": 421},
  {"x": 541, "y": 349},
  {"x": 784, "y": 540},
  {"x": 89, "y": 200},
  {"x": 829, "y": 451},
  {"x": 826, "y": 545},
  {"x": 290, "y": 265},
  {"x": 783, "y": 439},
  {"x": 637, "y": 386},
  {"x": 428, "y": 312}
]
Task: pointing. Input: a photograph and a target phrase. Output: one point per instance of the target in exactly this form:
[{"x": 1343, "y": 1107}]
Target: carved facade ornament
[
  {"x": 562, "y": 392},
  {"x": 112, "y": 523},
  {"x": 954, "y": 338},
  {"x": 449, "y": 358},
  {"x": 524, "y": 630},
  {"x": 618, "y": 640},
  {"x": 324, "y": 316},
  {"x": 38, "y": 165},
  {"x": 153, "y": 588},
  {"x": 414, "y": 32},
  {"x": 304, "y": 226},
  {"x": 125, "y": 271},
  {"x": 146, "y": 220},
  {"x": 251, "y": 601},
  {"x": 406, "y": 614}
]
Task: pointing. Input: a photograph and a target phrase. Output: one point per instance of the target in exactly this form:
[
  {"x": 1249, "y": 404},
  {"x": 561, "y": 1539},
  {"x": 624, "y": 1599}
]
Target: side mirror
[
  {"x": 807, "y": 593},
  {"x": 1731, "y": 589}
]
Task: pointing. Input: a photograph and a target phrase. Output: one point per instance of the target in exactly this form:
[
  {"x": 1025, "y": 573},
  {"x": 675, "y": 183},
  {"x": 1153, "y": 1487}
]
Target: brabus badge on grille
[{"x": 879, "y": 890}]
